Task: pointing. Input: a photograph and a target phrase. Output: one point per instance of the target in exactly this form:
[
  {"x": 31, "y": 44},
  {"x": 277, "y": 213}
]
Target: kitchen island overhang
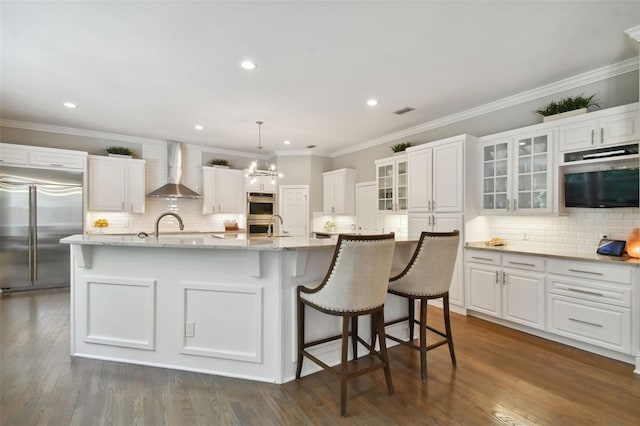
[{"x": 216, "y": 306}]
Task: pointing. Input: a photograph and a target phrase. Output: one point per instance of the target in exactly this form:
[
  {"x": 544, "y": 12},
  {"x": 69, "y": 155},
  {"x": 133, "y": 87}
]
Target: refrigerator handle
[
  {"x": 30, "y": 234},
  {"x": 35, "y": 234}
]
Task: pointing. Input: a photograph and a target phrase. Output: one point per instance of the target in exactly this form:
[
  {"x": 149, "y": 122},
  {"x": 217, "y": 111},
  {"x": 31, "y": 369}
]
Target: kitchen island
[{"x": 205, "y": 303}]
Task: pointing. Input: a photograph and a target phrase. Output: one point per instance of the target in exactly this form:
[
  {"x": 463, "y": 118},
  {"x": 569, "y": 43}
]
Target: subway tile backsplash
[{"x": 580, "y": 230}]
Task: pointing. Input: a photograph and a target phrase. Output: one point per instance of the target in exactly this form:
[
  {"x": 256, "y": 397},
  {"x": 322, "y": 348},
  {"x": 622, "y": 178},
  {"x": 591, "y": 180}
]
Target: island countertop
[{"x": 207, "y": 241}]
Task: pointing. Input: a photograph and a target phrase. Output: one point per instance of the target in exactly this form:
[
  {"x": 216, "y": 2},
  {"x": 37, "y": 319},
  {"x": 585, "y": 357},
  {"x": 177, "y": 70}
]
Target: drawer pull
[
  {"x": 586, "y": 272},
  {"x": 522, "y": 263},
  {"x": 482, "y": 258},
  {"x": 593, "y": 293},
  {"x": 56, "y": 165},
  {"x": 585, "y": 322}
]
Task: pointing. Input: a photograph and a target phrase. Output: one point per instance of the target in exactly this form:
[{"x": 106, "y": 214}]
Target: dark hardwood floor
[{"x": 503, "y": 377}]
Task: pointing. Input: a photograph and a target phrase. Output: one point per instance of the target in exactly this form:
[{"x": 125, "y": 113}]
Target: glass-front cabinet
[
  {"x": 517, "y": 174},
  {"x": 392, "y": 177}
]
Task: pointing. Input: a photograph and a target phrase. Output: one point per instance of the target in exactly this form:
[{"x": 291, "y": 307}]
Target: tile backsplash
[{"x": 580, "y": 230}]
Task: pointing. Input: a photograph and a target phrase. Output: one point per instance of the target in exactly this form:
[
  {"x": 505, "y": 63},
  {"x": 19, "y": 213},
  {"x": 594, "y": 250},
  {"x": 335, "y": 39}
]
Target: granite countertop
[
  {"x": 560, "y": 254},
  {"x": 219, "y": 240}
]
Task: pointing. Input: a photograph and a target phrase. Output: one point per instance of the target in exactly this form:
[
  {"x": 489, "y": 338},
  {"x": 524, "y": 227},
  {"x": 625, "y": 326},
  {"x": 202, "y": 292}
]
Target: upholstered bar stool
[
  {"x": 356, "y": 284},
  {"x": 427, "y": 276}
]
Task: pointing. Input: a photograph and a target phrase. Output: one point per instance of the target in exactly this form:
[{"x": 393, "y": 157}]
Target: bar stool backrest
[
  {"x": 358, "y": 277},
  {"x": 430, "y": 269}
]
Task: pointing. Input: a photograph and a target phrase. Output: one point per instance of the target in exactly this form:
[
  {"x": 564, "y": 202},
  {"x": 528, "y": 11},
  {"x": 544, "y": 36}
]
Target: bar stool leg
[
  {"x": 412, "y": 316},
  {"x": 447, "y": 325},
  {"x": 343, "y": 375},
  {"x": 300, "y": 337},
  {"x": 423, "y": 339},
  {"x": 383, "y": 349},
  {"x": 354, "y": 337}
]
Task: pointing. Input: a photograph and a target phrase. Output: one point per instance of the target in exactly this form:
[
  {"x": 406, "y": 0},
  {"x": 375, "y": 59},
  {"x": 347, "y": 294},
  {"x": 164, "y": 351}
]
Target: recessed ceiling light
[
  {"x": 199, "y": 127},
  {"x": 70, "y": 105},
  {"x": 372, "y": 102},
  {"x": 248, "y": 65},
  {"x": 287, "y": 142}
]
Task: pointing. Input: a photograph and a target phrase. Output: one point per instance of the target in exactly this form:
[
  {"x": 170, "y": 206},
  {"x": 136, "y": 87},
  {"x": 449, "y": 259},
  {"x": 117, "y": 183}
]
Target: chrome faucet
[
  {"x": 176, "y": 215},
  {"x": 270, "y": 230}
]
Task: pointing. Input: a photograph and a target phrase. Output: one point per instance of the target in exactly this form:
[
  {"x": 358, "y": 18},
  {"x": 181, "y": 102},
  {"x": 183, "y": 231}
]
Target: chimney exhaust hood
[{"x": 173, "y": 188}]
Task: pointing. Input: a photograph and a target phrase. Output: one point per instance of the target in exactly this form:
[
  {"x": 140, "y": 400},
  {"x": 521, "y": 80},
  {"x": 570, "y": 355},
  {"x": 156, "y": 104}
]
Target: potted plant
[
  {"x": 218, "y": 163},
  {"x": 401, "y": 147},
  {"x": 566, "y": 107},
  {"x": 119, "y": 151}
]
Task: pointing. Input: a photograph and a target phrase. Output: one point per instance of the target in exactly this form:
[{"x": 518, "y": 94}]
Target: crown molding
[
  {"x": 623, "y": 67},
  {"x": 223, "y": 151},
  {"x": 634, "y": 33},
  {"x": 15, "y": 124},
  {"x": 304, "y": 153},
  {"x": 77, "y": 132}
]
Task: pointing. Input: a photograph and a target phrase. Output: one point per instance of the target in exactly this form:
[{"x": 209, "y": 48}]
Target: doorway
[
  {"x": 294, "y": 209},
  {"x": 368, "y": 220}
]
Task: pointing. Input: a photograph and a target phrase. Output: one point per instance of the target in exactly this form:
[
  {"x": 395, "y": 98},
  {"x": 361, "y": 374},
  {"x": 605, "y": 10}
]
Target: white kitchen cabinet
[
  {"x": 339, "y": 191},
  {"x": 262, "y": 184},
  {"x": 511, "y": 287},
  {"x": 392, "y": 179},
  {"x": 591, "y": 302},
  {"x": 436, "y": 176},
  {"x": 443, "y": 222},
  {"x": 517, "y": 173},
  {"x": 38, "y": 157},
  {"x": 606, "y": 130},
  {"x": 222, "y": 190},
  {"x": 116, "y": 184}
]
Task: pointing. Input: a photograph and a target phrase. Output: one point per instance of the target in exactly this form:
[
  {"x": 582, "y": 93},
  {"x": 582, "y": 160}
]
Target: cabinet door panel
[
  {"x": 578, "y": 135},
  {"x": 448, "y": 182},
  {"x": 228, "y": 191},
  {"x": 484, "y": 289},
  {"x": 524, "y": 298},
  {"x": 619, "y": 129},
  {"x": 447, "y": 222},
  {"x": 596, "y": 323},
  {"x": 136, "y": 186},
  {"x": 106, "y": 185},
  {"x": 420, "y": 180}
]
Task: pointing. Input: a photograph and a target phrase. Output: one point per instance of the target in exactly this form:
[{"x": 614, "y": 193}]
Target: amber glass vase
[{"x": 633, "y": 243}]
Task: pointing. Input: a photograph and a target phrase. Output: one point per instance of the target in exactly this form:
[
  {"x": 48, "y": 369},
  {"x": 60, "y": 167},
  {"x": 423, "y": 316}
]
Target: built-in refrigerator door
[
  {"x": 15, "y": 237},
  {"x": 58, "y": 214}
]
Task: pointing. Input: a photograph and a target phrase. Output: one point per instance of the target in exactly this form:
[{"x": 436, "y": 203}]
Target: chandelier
[{"x": 269, "y": 169}]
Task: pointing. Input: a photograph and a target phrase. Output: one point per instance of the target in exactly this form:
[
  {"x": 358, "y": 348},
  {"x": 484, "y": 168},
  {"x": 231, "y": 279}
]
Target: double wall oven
[{"x": 260, "y": 207}]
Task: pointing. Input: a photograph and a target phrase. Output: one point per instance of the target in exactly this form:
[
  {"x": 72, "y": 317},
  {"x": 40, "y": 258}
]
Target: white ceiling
[{"x": 155, "y": 69}]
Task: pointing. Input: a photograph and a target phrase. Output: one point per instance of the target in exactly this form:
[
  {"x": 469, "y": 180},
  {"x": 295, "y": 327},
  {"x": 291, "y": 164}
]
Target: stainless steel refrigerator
[{"x": 37, "y": 208}]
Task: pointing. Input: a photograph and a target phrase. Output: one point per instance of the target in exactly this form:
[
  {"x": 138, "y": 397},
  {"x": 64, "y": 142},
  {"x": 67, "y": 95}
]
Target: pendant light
[{"x": 254, "y": 168}]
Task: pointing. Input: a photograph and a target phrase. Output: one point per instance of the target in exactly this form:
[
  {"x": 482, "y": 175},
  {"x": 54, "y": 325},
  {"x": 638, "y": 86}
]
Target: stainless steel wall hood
[{"x": 173, "y": 188}]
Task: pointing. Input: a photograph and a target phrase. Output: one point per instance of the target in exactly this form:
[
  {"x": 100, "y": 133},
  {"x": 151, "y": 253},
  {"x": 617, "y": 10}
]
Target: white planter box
[{"x": 564, "y": 115}]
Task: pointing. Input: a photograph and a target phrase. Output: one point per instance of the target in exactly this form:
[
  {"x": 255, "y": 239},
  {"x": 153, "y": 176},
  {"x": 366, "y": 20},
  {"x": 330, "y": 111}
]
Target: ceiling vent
[
  {"x": 310, "y": 146},
  {"x": 404, "y": 110}
]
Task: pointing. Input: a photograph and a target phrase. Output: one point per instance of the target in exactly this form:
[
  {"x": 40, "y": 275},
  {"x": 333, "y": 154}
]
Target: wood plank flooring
[{"x": 503, "y": 377}]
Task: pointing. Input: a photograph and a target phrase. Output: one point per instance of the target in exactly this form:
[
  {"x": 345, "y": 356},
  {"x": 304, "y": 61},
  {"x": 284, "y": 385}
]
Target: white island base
[{"x": 216, "y": 308}]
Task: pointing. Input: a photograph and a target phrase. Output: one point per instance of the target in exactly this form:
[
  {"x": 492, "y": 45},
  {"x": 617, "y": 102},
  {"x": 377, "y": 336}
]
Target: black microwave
[{"x": 601, "y": 189}]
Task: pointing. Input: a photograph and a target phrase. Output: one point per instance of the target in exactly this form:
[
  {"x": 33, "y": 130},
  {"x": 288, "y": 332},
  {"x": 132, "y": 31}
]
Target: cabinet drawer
[
  {"x": 13, "y": 156},
  {"x": 49, "y": 159},
  {"x": 591, "y": 270},
  {"x": 481, "y": 256},
  {"x": 601, "y": 325},
  {"x": 611, "y": 294},
  {"x": 531, "y": 263}
]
